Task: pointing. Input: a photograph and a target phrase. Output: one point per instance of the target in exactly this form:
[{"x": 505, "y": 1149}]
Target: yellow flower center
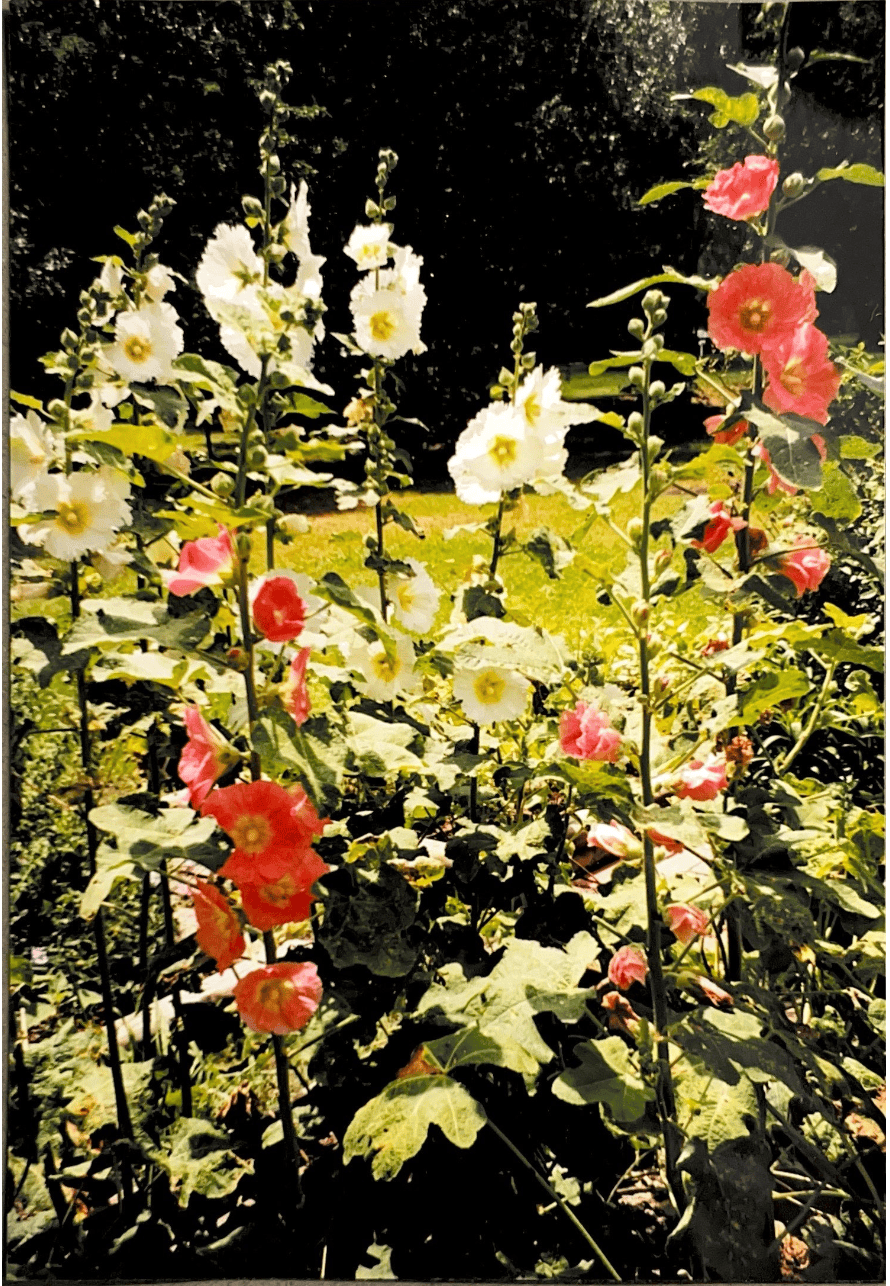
[
  {"x": 382, "y": 326},
  {"x": 251, "y": 834},
  {"x": 792, "y": 377},
  {"x": 280, "y": 892},
  {"x": 405, "y": 595},
  {"x": 384, "y": 668},
  {"x": 271, "y": 993},
  {"x": 73, "y": 518},
  {"x": 755, "y": 315},
  {"x": 489, "y": 688},
  {"x": 137, "y": 348},
  {"x": 532, "y": 408},
  {"x": 503, "y": 451}
]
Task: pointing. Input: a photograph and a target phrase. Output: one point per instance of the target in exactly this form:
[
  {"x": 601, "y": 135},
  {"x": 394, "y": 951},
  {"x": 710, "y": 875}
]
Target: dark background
[{"x": 526, "y": 131}]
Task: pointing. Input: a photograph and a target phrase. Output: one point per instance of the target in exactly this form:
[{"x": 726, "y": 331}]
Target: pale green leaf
[
  {"x": 667, "y": 276},
  {"x": 606, "y": 1075},
  {"x": 661, "y": 190},
  {"x": 859, "y": 173},
  {"x": 201, "y": 1160},
  {"x": 393, "y": 1127}
]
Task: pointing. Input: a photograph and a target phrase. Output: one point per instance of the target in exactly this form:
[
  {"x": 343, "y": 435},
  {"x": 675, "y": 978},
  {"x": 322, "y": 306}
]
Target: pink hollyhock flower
[
  {"x": 614, "y": 838},
  {"x": 718, "y": 528},
  {"x": 685, "y": 922},
  {"x": 622, "y": 1015},
  {"x": 758, "y": 305},
  {"x": 202, "y": 562},
  {"x": 776, "y": 481},
  {"x": 294, "y": 693},
  {"x": 585, "y": 733},
  {"x": 805, "y": 566},
  {"x": 725, "y": 437},
  {"x": 219, "y": 929},
  {"x": 745, "y": 190},
  {"x": 279, "y": 612},
  {"x": 205, "y": 756},
  {"x": 627, "y": 966},
  {"x": 665, "y": 841},
  {"x": 716, "y": 995},
  {"x": 259, "y": 816},
  {"x": 279, "y": 998},
  {"x": 701, "y": 781},
  {"x": 801, "y": 378}
]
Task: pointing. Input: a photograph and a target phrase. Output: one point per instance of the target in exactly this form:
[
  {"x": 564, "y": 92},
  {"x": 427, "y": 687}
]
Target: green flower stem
[
  {"x": 496, "y": 538},
  {"x": 282, "y": 1072},
  {"x": 474, "y": 750},
  {"x": 250, "y": 420},
  {"x": 249, "y": 678},
  {"x": 812, "y": 722},
  {"x": 86, "y": 761},
  {"x": 665, "y": 1086},
  {"x": 378, "y": 508},
  {"x": 742, "y": 538},
  {"x": 554, "y": 1196}
]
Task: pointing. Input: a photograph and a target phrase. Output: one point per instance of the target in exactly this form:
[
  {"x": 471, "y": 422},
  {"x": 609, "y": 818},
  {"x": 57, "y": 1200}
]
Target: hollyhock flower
[
  {"x": 491, "y": 694},
  {"x": 304, "y": 817},
  {"x": 88, "y": 508},
  {"x": 716, "y": 995},
  {"x": 386, "y": 311},
  {"x": 776, "y": 482},
  {"x": 284, "y": 900},
  {"x": 146, "y": 341},
  {"x": 498, "y": 451},
  {"x": 685, "y": 922},
  {"x": 369, "y": 246},
  {"x": 279, "y": 998},
  {"x": 585, "y": 733},
  {"x": 219, "y": 930},
  {"x": 701, "y": 781},
  {"x": 202, "y": 562},
  {"x": 539, "y": 399},
  {"x": 94, "y": 418},
  {"x": 614, "y": 838},
  {"x": 295, "y": 236},
  {"x": 717, "y": 528},
  {"x": 627, "y": 966},
  {"x": 260, "y": 818},
  {"x": 665, "y": 841},
  {"x": 384, "y": 678},
  {"x": 111, "y": 278},
  {"x": 294, "y": 692},
  {"x": 801, "y": 378},
  {"x": 805, "y": 567},
  {"x": 758, "y": 305},
  {"x": 229, "y": 267},
  {"x": 205, "y": 757},
  {"x": 415, "y": 599},
  {"x": 622, "y": 1015},
  {"x": 32, "y": 449},
  {"x": 745, "y": 190},
  {"x": 725, "y": 437},
  {"x": 110, "y": 562},
  {"x": 158, "y": 283},
  {"x": 278, "y": 610},
  {"x": 720, "y": 643}
]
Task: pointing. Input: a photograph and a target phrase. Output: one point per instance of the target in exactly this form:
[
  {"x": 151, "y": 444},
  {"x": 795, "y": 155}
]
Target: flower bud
[
  {"x": 662, "y": 559},
  {"x": 659, "y": 317},
  {"x": 662, "y": 685},
  {"x": 794, "y": 59},
  {"x": 256, "y": 457},
  {"x": 653, "y": 645},
  {"x": 653, "y": 300},
  {"x": 774, "y": 128},
  {"x": 635, "y": 532},
  {"x": 238, "y": 658},
  {"x": 640, "y": 612},
  {"x": 243, "y": 544},
  {"x": 656, "y": 389},
  {"x": 635, "y": 423},
  {"x": 636, "y": 377},
  {"x": 794, "y": 185},
  {"x": 636, "y": 327},
  {"x": 781, "y": 256},
  {"x": 223, "y": 484},
  {"x": 294, "y": 524},
  {"x": 658, "y": 342},
  {"x": 660, "y": 477}
]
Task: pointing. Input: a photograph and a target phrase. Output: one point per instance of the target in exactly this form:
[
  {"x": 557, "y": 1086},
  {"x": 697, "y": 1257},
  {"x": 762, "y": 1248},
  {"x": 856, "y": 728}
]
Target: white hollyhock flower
[
  {"x": 491, "y": 694},
  {"x": 295, "y": 236},
  {"x": 32, "y": 449},
  {"x": 415, "y": 599},
  {"x": 229, "y": 268},
  {"x": 386, "y": 314},
  {"x": 499, "y": 451},
  {"x": 110, "y": 563},
  {"x": 539, "y": 398},
  {"x": 369, "y": 245},
  {"x": 94, "y": 418},
  {"x": 383, "y": 679},
  {"x": 87, "y": 507},
  {"x": 111, "y": 278},
  {"x": 159, "y": 282},
  {"x": 148, "y": 339}
]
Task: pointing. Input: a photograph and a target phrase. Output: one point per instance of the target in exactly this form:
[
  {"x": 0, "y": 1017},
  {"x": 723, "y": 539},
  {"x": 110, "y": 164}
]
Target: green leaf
[
  {"x": 661, "y": 190},
  {"x": 770, "y": 690},
  {"x": 836, "y": 645},
  {"x": 316, "y": 753},
  {"x": 24, "y": 400},
  {"x": 201, "y": 1160},
  {"x": 667, "y": 276},
  {"x": 149, "y": 440},
  {"x": 168, "y": 404},
  {"x": 107, "y": 622},
  {"x": 366, "y": 917},
  {"x": 393, "y": 1127},
  {"x": 606, "y": 1075},
  {"x": 303, "y": 404},
  {"x": 744, "y": 110},
  {"x": 837, "y": 497},
  {"x": 378, "y": 747},
  {"x": 788, "y": 439},
  {"x": 712, "y": 1109},
  {"x": 469, "y": 1047},
  {"x": 551, "y": 550},
  {"x": 382, "y": 1270},
  {"x": 124, "y": 235},
  {"x": 859, "y": 173},
  {"x": 853, "y": 447}
]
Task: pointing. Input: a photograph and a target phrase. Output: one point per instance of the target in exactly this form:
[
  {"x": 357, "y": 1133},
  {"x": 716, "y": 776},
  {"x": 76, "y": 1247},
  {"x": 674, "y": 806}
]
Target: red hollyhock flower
[
  {"x": 202, "y": 562},
  {"x": 718, "y": 528},
  {"x": 627, "y": 966},
  {"x": 702, "y": 781},
  {"x": 585, "y": 733},
  {"x": 279, "y": 612},
  {"x": 686, "y": 922},
  {"x": 205, "y": 756},
  {"x": 725, "y": 437},
  {"x": 219, "y": 930},
  {"x": 758, "y": 305},
  {"x": 295, "y": 694},
  {"x": 281, "y": 897},
  {"x": 801, "y": 378},
  {"x": 806, "y": 567},
  {"x": 665, "y": 841},
  {"x": 279, "y": 998},
  {"x": 259, "y": 816},
  {"x": 744, "y": 190}
]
